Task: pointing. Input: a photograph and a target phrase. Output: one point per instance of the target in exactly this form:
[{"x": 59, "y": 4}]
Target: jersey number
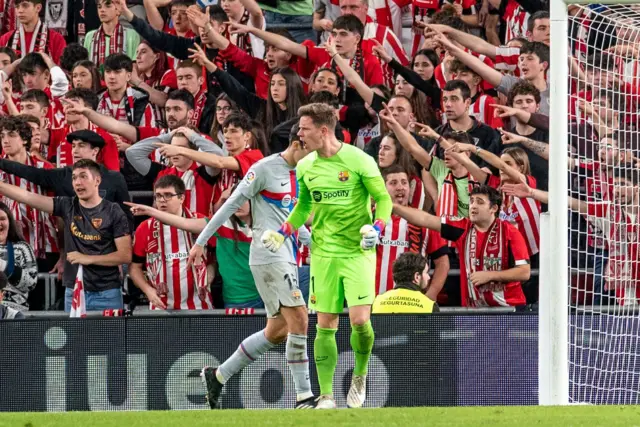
[{"x": 292, "y": 281}]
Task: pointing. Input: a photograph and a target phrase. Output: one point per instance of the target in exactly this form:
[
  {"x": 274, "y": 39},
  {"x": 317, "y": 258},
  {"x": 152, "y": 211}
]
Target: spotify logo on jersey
[{"x": 317, "y": 196}]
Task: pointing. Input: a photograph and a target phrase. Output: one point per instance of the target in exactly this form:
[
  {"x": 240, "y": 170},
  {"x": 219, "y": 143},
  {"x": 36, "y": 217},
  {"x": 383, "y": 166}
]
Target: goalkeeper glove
[
  {"x": 370, "y": 234},
  {"x": 273, "y": 240}
]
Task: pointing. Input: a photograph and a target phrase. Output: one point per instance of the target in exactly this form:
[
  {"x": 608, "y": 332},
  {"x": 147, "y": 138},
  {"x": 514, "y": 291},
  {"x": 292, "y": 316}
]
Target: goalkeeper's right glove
[{"x": 273, "y": 240}]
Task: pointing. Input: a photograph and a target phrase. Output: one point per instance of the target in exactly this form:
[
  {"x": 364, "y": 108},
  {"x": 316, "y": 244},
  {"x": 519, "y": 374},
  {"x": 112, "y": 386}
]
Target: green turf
[{"x": 591, "y": 416}]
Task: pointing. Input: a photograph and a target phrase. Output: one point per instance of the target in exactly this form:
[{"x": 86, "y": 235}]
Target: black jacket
[
  {"x": 112, "y": 188},
  {"x": 178, "y": 47},
  {"x": 480, "y": 135}
]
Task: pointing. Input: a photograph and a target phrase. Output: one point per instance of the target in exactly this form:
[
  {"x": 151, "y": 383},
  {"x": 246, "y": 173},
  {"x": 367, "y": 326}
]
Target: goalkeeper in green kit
[{"x": 336, "y": 182}]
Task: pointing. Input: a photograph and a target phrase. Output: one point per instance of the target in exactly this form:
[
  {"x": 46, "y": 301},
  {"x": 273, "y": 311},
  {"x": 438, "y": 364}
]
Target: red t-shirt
[
  {"x": 494, "y": 294},
  {"x": 198, "y": 197},
  {"x": 229, "y": 178},
  {"x": 61, "y": 149}
]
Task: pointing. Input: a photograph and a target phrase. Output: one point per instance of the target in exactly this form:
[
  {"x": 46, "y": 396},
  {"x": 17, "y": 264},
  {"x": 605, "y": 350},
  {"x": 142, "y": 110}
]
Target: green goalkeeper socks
[
  {"x": 362, "y": 337},
  {"x": 325, "y": 352}
]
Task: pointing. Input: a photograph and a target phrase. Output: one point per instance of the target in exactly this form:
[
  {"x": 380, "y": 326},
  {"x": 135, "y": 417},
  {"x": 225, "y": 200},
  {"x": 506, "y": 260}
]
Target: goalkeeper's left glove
[
  {"x": 370, "y": 234},
  {"x": 273, "y": 240}
]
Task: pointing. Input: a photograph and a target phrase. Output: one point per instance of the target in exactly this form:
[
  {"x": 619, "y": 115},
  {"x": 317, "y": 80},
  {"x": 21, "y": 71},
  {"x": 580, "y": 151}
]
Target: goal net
[{"x": 604, "y": 202}]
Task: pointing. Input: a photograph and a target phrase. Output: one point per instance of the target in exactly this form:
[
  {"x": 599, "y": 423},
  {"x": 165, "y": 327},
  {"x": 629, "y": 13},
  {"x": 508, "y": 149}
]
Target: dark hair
[
  {"x": 334, "y": 72},
  {"x": 391, "y": 169},
  {"x": 614, "y": 99},
  {"x": 168, "y": 181},
  {"x": 523, "y": 87},
  {"x": 628, "y": 172},
  {"x": 30, "y": 118},
  {"x": 181, "y": 3},
  {"x": 34, "y": 2},
  {"x": 117, "y": 62},
  {"x": 15, "y": 77},
  {"x": 422, "y": 110},
  {"x": 494, "y": 196},
  {"x": 36, "y": 95},
  {"x": 188, "y": 63},
  {"x": 217, "y": 127},
  {"x": 294, "y": 100},
  {"x": 88, "y": 164},
  {"x": 522, "y": 40},
  {"x": 14, "y": 234},
  {"x": 190, "y": 144},
  {"x": 239, "y": 120},
  {"x": 452, "y": 85},
  {"x": 600, "y": 61},
  {"x": 217, "y": 14},
  {"x": 88, "y": 97},
  {"x": 541, "y": 14},
  {"x": 432, "y": 56},
  {"x": 405, "y": 268},
  {"x": 293, "y": 134},
  {"x": 457, "y": 67},
  {"x": 160, "y": 67},
  {"x": 182, "y": 95},
  {"x": 96, "y": 80},
  {"x": 386, "y": 92},
  {"x": 259, "y": 138},
  {"x": 19, "y": 125},
  {"x": 71, "y": 54},
  {"x": 448, "y": 16},
  {"x": 320, "y": 115},
  {"x": 539, "y": 49},
  {"x": 4, "y": 280},
  {"x": 325, "y": 97},
  {"x": 403, "y": 158},
  {"x": 31, "y": 63},
  {"x": 458, "y": 136},
  {"x": 349, "y": 23}
]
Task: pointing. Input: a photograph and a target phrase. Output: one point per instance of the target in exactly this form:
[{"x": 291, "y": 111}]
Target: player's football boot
[
  {"x": 357, "y": 392},
  {"x": 308, "y": 403},
  {"x": 212, "y": 386},
  {"x": 325, "y": 401}
]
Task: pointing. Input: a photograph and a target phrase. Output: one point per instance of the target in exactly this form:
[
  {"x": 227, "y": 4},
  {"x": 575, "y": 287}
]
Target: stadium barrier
[{"x": 152, "y": 363}]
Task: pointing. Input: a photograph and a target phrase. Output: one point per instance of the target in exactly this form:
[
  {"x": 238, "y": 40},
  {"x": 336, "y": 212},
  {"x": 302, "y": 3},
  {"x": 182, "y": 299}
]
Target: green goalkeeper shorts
[{"x": 334, "y": 279}]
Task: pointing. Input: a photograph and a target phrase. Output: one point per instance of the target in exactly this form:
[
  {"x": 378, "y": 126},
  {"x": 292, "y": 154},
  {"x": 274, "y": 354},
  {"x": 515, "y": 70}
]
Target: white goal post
[{"x": 589, "y": 350}]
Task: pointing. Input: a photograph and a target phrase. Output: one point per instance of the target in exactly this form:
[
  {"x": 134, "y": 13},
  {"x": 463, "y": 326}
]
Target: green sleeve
[
  {"x": 303, "y": 207},
  {"x": 132, "y": 41},
  {"x": 88, "y": 42},
  {"x": 437, "y": 169},
  {"x": 378, "y": 191}
]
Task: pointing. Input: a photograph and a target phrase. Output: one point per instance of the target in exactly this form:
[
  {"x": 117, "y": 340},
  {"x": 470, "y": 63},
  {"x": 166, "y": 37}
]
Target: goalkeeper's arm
[{"x": 378, "y": 191}]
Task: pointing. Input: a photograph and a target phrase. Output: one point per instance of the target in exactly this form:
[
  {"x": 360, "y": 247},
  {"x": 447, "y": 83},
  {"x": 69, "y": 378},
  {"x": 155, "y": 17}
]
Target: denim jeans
[
  {"x": 601, "y": 256},
  {"x": 256, "y": 303},
  {"x": 299, "y": 35},
  {"x": 96, "y": 301}
]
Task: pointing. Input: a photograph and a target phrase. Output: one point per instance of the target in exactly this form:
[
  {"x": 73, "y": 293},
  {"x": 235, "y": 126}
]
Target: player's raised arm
[
  {"x": 418, "y": 217},
  {"x": 36, "y": 201}
]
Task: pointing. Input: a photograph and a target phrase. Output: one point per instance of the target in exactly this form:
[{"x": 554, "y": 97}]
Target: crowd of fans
[{"x": 181, "y": 98}]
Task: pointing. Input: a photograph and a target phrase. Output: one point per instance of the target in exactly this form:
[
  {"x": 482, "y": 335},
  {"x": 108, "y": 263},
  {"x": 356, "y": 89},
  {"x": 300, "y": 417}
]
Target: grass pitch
[{"x": 591, "y": 416}]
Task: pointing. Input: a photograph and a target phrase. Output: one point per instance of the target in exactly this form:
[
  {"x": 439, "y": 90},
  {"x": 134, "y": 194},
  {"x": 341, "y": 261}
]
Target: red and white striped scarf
[
  {"x": 39, "y": 40},
  {"x": 492, "y": 256},
  {"x": 447, "y": 204},
  {"x": 201, "y": 100},
  {"x": 78, "y": 301},
  {"x": 243, "y": 41},
  {"x": 123, "y": 111},
  {"x": 37, "y": 227},
  {"x": 99, "y": 44},
  {"x": 160, "y": 270}
]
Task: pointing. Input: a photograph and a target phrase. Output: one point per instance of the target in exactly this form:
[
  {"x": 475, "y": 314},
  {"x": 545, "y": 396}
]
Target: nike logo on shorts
[{"x": 359, "y": 297}]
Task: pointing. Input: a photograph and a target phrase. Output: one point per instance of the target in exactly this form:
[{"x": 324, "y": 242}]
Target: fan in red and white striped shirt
[
  {"x": 164, "y": 251},
  {"x": 399, "y": 236},
  {"x": 37, "y": 227}
]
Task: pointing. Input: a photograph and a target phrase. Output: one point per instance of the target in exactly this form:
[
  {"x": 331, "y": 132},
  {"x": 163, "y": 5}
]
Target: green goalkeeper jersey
[{"x": 338, "y": 189}]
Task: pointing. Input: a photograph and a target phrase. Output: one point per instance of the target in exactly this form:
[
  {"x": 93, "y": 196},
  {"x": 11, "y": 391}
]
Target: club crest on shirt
[
  {"x": 343, "y": 176},
  {"x": 96, "y": 222}
]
